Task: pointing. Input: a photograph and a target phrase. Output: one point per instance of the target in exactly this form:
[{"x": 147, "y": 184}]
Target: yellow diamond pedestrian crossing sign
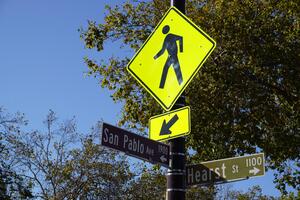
[
  {"x": 169, "y": 125},
  {"x": 171, "y": 57}
]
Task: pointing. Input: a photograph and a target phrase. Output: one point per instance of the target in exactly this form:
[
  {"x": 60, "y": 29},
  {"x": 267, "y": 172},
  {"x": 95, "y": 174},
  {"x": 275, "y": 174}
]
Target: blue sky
[
  {"x": 42, "y": 68},
  {"x": 41, "y": 61}
]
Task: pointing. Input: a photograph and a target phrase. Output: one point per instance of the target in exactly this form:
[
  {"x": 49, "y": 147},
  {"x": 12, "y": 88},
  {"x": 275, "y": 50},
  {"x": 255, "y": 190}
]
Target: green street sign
[{"x": 225, "y": 170}]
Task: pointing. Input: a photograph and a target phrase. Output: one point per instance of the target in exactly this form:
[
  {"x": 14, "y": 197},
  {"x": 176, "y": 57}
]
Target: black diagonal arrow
[{"x": 165, "y": 128}]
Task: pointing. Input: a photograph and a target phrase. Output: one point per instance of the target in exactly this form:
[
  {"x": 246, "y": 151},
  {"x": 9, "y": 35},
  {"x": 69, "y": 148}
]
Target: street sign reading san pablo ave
[
  {"x": 225, "y": 170},
  {"x": 135, "y": 145},
  {"x": 169, "y": 125},
  {"x": 170, "y": 57}
]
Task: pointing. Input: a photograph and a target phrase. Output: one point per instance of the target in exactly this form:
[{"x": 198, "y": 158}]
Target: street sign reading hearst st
[
  {"x": 225, "y": 170},
  {"x": 135, "y": 145}
]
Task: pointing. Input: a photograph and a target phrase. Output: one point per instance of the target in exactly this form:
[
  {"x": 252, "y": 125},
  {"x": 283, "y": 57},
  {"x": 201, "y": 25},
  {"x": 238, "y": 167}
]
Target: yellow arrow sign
[
  {"x": 171, "y": 57},
  {"x": 170, "y": 124}
]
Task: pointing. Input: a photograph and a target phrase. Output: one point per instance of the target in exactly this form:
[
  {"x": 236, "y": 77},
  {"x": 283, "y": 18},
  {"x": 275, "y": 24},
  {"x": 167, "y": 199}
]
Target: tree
[
  {"x": 150, "y": 184},
  {"x": 94, "y": 172},
  {"x": 203, "y": 193},
  {"x": 246, "y": 96},
  {"x": 291, "y": 196},
  {"x": 12, "y": 184},
  {"x": 253, "y": 193},
  {"x": 63, "y": 164},
  {"x": 43, "y": 154}
]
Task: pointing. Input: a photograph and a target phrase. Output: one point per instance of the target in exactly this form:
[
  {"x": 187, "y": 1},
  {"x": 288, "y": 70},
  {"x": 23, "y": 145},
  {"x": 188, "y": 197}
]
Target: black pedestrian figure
[{"x": 171, "y": 46}]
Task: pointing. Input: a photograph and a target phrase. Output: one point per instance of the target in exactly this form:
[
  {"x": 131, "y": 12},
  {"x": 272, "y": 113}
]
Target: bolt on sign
[
  {"x": 225, "y": 170},
  {"x": 135, "y": 145},
  {"x": 169, "y": 125},
  {"x": 170, "y": 57}
]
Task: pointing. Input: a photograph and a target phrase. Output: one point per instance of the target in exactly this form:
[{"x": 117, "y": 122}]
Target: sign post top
[{"x": 170, "y": 57}]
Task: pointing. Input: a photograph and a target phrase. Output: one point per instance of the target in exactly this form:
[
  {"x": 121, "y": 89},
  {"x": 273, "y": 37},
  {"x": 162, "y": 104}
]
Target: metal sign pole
[
  {"x": 176, "y": 174},
  {"x": 176, "y": 184}
]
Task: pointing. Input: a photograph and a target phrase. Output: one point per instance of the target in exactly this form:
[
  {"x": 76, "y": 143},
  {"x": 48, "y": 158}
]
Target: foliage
[
  {"x": 291, "y": 196},
  {"x": 62, "y": 164},
  {"x": 150, "y": 184},
  {"x": 204, "y": 193},
  {"x": 12, "y": 184},
  {"x": 226, "y": 192},
  {"x": 95, "y": 173},
  {"x": 253, "y": 193},
  {"x": 42, "y": 154},
  {"x": 246, "y": 96}
]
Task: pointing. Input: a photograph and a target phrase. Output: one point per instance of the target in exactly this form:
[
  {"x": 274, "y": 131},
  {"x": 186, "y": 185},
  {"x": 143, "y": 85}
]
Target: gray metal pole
[
  {"x": 176, "y": 174},
  {"x": 176, "y": 184},
  {"x": 179, "y": 4}
]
